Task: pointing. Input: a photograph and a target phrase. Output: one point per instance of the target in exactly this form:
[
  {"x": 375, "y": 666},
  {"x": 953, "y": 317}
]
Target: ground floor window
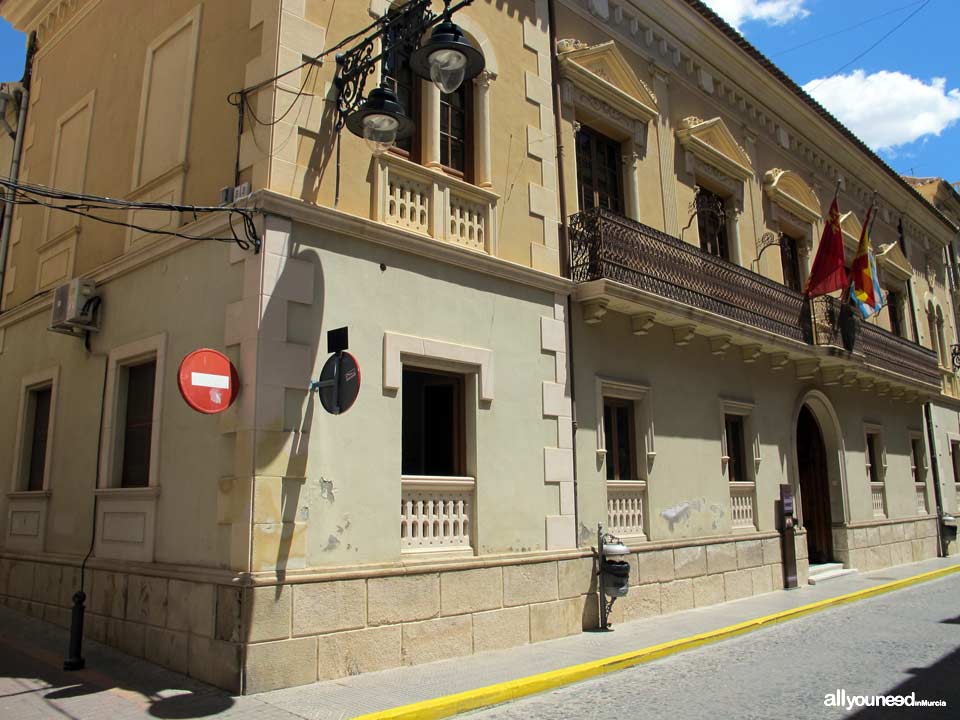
[
  {"x": 619, "y": 434},
  {"x": 736, "y": 465},
  {"x": 433, "y": 423},
  {"x": 38, "y": 423}
]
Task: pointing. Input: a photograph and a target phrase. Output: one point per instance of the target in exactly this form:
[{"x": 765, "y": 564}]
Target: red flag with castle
[{"x": 828, "y": 272}]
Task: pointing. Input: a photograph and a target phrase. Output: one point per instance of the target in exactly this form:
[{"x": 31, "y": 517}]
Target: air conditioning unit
[{"x": 74, "y": 307}]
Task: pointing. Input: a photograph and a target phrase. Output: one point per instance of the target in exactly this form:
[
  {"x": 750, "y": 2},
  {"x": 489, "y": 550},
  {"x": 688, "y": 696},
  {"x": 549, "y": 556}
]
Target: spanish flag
[
  {"x": 828, "y": 272},
  {"x": 865, "y": 289}
]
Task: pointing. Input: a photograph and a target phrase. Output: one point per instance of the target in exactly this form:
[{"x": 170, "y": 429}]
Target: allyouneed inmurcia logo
[{"x": 841, "y": 698}]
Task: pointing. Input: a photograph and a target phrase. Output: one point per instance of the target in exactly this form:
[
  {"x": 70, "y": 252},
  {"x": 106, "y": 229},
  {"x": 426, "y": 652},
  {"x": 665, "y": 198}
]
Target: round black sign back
[{"x": 339, "y": 383}]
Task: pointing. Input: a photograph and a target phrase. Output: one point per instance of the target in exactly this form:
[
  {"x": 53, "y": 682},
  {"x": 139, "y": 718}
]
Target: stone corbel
[
  {"x": 594, "y": 310},
  {"x": 832, "y": 375},
  {"x": 641, "y": 323},
  {"x": 751, "y": 353},
  {"x": 683, "y": 334},
  {"x": 807, "y": 369},
  {"x": 778, "y": 361},
  {"x": 719, "y": 344}
]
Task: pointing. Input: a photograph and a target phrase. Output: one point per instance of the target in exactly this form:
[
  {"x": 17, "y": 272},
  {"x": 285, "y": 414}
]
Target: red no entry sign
[{"x": 208, "y": 381}]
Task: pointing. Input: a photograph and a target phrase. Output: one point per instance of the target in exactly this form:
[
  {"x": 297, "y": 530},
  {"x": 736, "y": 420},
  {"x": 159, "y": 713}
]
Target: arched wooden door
[{"x": 814, "y": 488}]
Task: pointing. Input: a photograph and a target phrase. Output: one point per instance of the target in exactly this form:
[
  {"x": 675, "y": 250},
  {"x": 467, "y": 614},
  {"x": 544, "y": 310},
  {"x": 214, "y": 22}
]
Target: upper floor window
[
  {"x": 712, "y": 223},
  {"x": 455, "y": 126},
  {"x": 895, "y": 308},
  {"x": 400, "y": 78},
  {"x": 790, "y": 262},
  {"x": 599, "y": 171}
]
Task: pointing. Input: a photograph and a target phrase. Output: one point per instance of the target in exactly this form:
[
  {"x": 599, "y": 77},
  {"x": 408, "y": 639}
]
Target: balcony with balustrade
[{"x": 623, "y": 266}]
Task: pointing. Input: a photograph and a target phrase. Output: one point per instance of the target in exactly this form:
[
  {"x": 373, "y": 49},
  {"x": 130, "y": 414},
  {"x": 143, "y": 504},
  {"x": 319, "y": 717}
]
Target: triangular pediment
[
  {"x": 892, "y": 260},
  {"x": 791, "y": 192},
  {"x": 851, "y": 225},
  {"x": 715, "y": 144},
  {"x": 603, "y": 71}
]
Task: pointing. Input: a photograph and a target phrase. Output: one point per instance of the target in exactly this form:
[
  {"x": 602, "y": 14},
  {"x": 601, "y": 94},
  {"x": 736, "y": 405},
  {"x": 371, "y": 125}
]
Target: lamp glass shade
[
  {"x": 447, "y": 69},
  {"x": 380, "y": 132},
  {"x": 448, "y": 58}
]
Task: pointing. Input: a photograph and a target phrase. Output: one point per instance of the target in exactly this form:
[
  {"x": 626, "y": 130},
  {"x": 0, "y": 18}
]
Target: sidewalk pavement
[{"x": 115, "y": 685}]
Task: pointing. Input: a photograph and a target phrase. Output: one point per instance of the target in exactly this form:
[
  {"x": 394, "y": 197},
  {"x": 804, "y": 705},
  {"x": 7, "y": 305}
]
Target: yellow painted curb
[{"x": 513, "y": 689}]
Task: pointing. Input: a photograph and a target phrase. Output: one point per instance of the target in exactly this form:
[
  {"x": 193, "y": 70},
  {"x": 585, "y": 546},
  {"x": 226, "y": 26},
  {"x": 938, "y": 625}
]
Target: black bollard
[{"x": 75, "y": 659}]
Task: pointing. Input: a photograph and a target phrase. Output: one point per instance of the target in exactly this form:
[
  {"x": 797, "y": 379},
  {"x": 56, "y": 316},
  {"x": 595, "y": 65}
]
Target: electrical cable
[
  {"x": 884, "y": 37},
  {"x": 83, "y": 205},
  {"x": 841, "y": 31}
]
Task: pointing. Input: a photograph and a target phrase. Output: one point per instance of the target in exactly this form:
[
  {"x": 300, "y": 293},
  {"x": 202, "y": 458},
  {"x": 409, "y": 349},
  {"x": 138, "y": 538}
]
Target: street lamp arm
[{"x": 406, "y": 25}]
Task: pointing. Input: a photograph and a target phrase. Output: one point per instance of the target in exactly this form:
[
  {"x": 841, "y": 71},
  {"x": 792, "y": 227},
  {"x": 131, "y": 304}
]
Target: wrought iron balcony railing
[
  {"x": 608, "y": 246},
  {"x": 837, "y": 324}
]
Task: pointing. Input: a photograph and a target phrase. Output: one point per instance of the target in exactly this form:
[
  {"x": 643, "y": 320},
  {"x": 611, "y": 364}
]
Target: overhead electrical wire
[
  {"x": 847, "y": 29},
  {"x": 83, "y": 205}
]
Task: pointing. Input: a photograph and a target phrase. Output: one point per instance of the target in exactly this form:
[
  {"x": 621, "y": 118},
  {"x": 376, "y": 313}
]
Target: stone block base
[
  {"x": 885, "y": 543},
  {"x": 253, "y": 639}
]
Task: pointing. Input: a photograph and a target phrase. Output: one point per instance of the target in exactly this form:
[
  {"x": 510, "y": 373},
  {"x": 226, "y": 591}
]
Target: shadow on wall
[{"x": 291, "y": 332}]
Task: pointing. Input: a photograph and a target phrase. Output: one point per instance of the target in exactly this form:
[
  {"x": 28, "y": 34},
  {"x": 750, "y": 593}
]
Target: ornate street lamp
[{"x": 447, "y": 58}]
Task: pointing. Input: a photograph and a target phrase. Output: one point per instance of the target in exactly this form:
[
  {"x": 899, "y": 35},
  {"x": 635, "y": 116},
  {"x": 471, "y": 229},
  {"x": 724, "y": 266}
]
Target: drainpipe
[
  {"x": 935, "y": 470},
  {"x": 564, "y": 246},
  {"x": 15, "y": 162}
]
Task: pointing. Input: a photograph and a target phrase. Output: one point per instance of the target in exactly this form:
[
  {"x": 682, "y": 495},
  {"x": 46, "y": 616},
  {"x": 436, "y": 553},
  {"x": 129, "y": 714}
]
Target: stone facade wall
[
  {"x": 302, "y": 632},
  {"x": 186, "y": 626},
  {"x": 252, "y": 639},
  {"x": 880, "y": 544}
]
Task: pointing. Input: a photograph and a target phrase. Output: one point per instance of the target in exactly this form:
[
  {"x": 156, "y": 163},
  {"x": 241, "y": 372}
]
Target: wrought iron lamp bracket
[
  {"x": 401, "y": 27},
  {"x": 769, "y": 240}
]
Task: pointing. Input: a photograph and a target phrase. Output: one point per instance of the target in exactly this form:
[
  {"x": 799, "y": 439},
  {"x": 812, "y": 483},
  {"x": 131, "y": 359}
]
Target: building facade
[{"x": 574, "y": 296}]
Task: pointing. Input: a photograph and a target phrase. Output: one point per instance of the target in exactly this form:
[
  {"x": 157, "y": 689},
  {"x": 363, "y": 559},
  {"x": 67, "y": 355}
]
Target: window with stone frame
[
  {"x": 619, "y": 428},
  {"x": 456, "y": 131},
  {"x": 599, "y": 171},
  {"x": 735, "y": 448},
  {"x": 136, "y": 430},
  {"x": 895, "y": 310},
  {"x": 874, "y": 457},
  {"x": 433, "y": 425},
  {"x": 712, "y": 222},
  {"x": 37, "y": 428},
  {"x": 400, "y": 78},
  {"x": 918, "y": 462},
  {"x": 790, "y": 262}
]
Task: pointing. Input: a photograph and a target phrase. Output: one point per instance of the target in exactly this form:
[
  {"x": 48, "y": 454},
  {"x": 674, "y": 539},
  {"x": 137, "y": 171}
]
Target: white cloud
[
  {"x": 888, "y": 109},
  {"x": 772, "y": 12}
]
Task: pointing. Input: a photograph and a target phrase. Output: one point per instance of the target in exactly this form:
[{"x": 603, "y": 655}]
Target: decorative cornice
[{"x": 47, "y": 17}]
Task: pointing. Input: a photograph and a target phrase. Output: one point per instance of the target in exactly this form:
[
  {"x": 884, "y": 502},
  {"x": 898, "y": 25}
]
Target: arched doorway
[{"x": 814, "y": 481}]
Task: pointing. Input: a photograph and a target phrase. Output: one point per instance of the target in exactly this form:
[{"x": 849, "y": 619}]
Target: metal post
[
  {"x": 75, "y": 659},
  {"x": 604, "y": 624}
]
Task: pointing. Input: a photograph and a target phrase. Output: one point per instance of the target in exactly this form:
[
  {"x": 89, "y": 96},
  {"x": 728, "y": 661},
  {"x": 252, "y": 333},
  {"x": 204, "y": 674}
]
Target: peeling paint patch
[
  {"x": 326, "y": 490},
  {"x": 332, "y": 543},
  {"x": 586, "y": 535}
]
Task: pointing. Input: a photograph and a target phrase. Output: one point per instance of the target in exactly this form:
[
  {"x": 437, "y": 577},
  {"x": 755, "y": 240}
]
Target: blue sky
[{"x": 902, "y": 97}]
